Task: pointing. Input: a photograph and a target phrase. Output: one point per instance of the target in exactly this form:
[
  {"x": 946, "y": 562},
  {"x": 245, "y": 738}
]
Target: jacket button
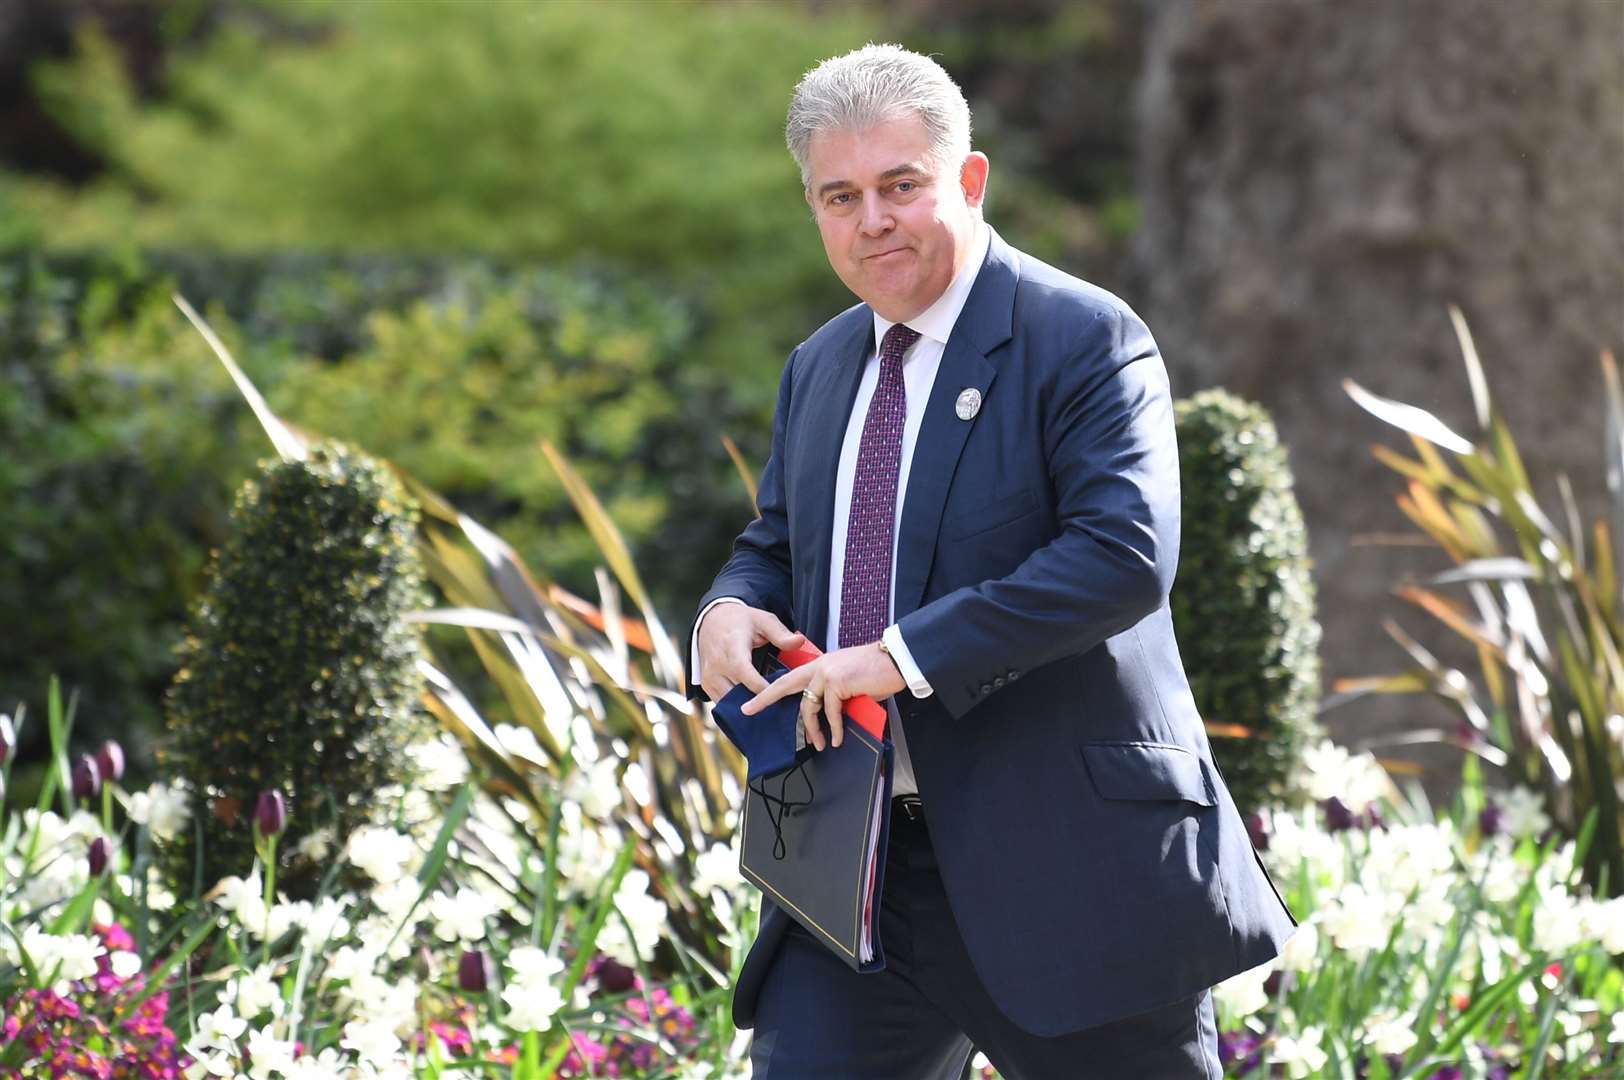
[
  {"x": 1014, "y": 674},
  {"x": 986, "y": 688},
  {"x": 998, "y": 683}
]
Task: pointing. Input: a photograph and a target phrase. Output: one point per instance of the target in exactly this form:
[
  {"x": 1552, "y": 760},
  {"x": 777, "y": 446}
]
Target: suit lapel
[
  {"x": 831, "y": 388},
  {"x": 982, "y": 326}
]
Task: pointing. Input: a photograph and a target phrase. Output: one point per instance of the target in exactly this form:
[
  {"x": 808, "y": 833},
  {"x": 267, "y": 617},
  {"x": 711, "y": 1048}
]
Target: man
[{"x": 972, "y": 503}]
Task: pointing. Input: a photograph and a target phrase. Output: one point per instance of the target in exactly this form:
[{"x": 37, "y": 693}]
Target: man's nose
[{"x": 876, "y": 217}]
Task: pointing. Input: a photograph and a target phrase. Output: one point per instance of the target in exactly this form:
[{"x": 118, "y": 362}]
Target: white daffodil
[
  {"x": 328, "y": 1065},
  {"x": 219, "y": 1029},
  {"x": 163, "y": 809},
  {"x": 382, "y": 854},
  {"x": 1301, "y": 950},
  {"x": 206, "y": 1063},
  {"x": 76, "y": 956},
  {"x": 244, "y": 898},
  {"x": 1357, "y": 921},
  {"x": 1390, "y": 1033},
  {"x": 1559, "y": 921},
  {"x": 124, "y": 965},
  {"x": 1606, "y": 924},
  {"x": 531, "y": 1004},
  {"x": 1524, "y": 813},
  {"x": 269, "y": 1055},
  {"x": 326, "y": 921},
  {"x": 460, "y": 917},
  {"x": 1301, "y": 1054},
  {"x": 371, "y": 1040},
  {"x": 1242, "y": 994},
  {"x": 257, "y": 992},
  {"x": 646, "y": 916},
  {"x": 596, "y": 787},
  {"x": 530, "y": 964},
  {"x": 715, "y": 869}
]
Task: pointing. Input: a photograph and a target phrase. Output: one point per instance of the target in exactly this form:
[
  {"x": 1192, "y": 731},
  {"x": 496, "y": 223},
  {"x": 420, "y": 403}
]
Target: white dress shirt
[{"x": 919, "y": 365}]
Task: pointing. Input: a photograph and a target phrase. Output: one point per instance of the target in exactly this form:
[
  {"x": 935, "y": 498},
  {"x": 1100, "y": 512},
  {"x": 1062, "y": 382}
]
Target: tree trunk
[{"x": 1319, "y": 181}]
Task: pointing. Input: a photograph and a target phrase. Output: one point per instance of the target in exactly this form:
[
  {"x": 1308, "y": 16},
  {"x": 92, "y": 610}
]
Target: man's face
[{"x": 895, "y": 226}]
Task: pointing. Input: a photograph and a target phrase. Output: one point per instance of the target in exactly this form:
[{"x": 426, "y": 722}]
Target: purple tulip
[
  {"x": 110, "y": 760},
  {"x": 1258, "y": 829},
  {"x": 101, "y": 853},
  {"x": 476, "y": 971},
  {"x": 1491, "y": 820},
  {"x": 271, "y": 813},
  {"x": 1448, "y": 1072},
  {"x": 1338, "y": 815},
  {"x": 1240, "y": 1051},
  {"x": 8, "y": 738},
  {"x": 1372, "y": 817},
  {"x": 613, "y": 976},
  {"x": 86, "y": 778}
]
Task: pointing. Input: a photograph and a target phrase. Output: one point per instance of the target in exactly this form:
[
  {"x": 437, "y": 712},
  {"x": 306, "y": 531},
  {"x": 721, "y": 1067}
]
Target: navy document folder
[{"x": 815, "y": 832}]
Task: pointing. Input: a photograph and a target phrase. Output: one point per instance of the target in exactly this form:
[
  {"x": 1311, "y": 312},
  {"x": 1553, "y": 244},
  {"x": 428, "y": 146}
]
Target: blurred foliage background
[
  {"x": 448, "y": 230},
  {"x": 444, "y": 231}
]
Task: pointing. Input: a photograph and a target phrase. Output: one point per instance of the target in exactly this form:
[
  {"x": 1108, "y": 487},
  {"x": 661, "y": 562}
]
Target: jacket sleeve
[
  {"x": 758, "y": 572},
  {"x": 1113, "y": 463}
]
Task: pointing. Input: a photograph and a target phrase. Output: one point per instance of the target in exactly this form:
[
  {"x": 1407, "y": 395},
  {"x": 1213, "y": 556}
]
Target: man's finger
[
  {"x": 792, "y": 683},
  {"x": 809, "y": 717},
  {"x": 831, "y": 708}
]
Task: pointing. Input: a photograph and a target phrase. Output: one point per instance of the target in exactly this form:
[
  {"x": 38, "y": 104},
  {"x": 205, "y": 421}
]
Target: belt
[{"x": 910, "y": 807}]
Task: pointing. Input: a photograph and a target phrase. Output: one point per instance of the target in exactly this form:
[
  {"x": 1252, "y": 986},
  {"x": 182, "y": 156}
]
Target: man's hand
[
  {"x": 832, "y": 679},
  {"x": 727, "y": 635}
]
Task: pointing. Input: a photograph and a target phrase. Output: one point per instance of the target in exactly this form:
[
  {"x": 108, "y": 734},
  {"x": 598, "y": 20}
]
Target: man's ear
[{"x": 973, "y": 179}]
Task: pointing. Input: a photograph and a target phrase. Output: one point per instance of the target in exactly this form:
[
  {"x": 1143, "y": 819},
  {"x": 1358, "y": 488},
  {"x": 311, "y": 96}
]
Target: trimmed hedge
[
  {"x": 299, "y": 672},
  {"x": 1243, "y": 600}
]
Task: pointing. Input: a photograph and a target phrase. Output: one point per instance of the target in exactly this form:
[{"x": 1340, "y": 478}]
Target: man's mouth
[{"x": 883, "y": 254}]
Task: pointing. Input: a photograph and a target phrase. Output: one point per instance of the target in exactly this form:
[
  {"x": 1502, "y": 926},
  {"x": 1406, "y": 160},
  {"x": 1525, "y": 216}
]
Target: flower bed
[{"x": 472, "y": 945}]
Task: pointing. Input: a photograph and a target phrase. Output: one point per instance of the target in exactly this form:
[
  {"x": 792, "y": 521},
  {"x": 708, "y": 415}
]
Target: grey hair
[{"x": 871, "y": 85}]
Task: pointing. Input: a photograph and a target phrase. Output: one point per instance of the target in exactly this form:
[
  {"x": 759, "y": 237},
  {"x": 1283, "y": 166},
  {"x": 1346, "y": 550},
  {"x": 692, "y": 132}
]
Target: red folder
[{"x": 861, "y": 710}]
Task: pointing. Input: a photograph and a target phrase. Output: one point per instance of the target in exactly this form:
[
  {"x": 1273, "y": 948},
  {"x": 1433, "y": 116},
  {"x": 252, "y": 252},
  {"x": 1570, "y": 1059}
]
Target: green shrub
[
  {"x": 1243, "y": 602},
  {"x": 116, "y": 469},
  {"x": 646, "y": 136},
  {"x": 124, "y": 440},
  {"x": 299, "y": 673}
]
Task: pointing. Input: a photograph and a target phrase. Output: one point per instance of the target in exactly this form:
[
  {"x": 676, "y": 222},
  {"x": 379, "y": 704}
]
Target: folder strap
[{"x": 777, "y": 805}]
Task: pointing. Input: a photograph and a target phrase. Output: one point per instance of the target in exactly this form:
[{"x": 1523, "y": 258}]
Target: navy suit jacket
[{"x": 1090, "y": 851}]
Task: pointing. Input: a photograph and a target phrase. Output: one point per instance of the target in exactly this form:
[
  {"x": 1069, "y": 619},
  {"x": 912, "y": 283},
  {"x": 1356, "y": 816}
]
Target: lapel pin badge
[{"x": 969, "y": 404}]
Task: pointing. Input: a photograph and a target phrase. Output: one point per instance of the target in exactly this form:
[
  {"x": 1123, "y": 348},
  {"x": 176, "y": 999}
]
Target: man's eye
[
  {"x": 841, "y": 199},
  {"x": 906, "y": 186}
]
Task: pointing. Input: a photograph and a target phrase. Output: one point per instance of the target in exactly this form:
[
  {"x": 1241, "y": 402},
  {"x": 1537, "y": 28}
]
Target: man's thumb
[{"x": 782, "y": 636}]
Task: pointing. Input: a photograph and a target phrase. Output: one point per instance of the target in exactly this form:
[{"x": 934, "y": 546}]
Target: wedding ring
[{"x": 812, "y": 694}]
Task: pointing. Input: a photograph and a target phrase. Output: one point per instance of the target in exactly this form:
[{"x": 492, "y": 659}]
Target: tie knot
[{"x": 897, "y": 340}]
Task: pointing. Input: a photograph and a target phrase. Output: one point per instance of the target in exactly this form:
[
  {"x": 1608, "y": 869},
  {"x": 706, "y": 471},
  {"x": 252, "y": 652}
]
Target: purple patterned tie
[{"x": 865, "y": 588}]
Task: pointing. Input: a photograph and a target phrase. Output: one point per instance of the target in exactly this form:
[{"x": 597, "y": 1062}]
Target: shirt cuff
[
  {"x": 905, "y": 662},
  {"x": 693, "y": 646}
]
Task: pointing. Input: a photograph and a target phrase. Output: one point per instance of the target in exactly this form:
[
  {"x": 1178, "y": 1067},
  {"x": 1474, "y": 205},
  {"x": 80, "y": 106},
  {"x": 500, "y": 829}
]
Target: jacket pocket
[
  {"x": 990, "y": 515},
  {"x": 1146, "y": 770}
]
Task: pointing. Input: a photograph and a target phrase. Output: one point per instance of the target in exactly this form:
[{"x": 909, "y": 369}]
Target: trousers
[{"x": 927, "y": 1013}]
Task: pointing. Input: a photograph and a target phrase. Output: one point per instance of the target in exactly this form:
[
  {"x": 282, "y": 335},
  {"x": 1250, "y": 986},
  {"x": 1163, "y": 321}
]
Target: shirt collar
[{"x": 936, "y": 322}]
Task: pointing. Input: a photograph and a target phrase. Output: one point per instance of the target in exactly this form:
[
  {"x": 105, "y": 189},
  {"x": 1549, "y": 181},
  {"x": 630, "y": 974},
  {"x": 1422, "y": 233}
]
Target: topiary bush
[
  {"x": 299, "y": 672},
  {"x": 1243, "y": 601}
]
